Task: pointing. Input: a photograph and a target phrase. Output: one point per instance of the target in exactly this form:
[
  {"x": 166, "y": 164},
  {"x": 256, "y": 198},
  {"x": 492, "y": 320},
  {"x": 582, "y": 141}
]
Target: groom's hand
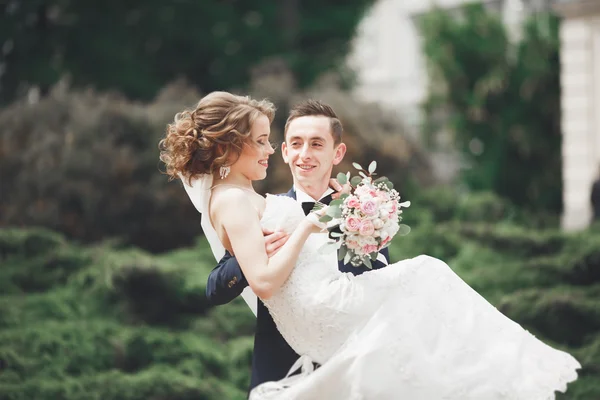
[
  {"x": 274, "y": 241},
  {"x": 339, "y": 188}
]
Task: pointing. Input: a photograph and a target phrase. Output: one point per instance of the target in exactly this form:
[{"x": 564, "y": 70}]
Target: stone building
[{"x": 580, "y": 86}]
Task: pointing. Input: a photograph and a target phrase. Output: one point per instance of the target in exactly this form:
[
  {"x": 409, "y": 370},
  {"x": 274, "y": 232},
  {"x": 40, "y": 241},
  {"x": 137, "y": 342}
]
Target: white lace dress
[{"x": 413, "y": 331}]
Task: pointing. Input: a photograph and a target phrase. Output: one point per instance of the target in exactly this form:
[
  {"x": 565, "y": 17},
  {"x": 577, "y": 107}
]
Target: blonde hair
[{"x": 202, "y": 140}]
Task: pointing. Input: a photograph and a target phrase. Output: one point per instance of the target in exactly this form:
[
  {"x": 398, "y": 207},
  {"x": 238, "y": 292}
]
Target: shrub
[{"x": 86, "y": 165}]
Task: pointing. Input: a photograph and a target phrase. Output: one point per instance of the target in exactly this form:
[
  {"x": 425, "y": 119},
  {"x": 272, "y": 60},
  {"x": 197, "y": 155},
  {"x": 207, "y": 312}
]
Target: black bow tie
[{"x": 307, "y": 206}]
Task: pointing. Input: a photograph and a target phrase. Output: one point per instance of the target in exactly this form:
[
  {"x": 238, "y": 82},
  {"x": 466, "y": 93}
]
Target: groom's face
[{"x": 311, "y": 153}]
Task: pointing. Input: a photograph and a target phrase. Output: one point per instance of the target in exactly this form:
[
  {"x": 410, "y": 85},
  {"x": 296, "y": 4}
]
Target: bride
[{"x": 413, "y": 330}]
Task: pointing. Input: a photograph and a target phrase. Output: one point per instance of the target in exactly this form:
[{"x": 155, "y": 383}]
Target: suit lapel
[{"x": 291, "y": 193}]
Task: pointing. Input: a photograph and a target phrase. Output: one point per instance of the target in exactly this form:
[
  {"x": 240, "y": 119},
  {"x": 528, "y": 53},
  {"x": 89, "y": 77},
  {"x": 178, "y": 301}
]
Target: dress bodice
[{"x": 306, "y": 286}]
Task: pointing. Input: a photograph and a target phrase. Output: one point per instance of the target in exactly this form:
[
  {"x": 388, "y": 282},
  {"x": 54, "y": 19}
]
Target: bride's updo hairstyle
[{"x": 211, "y": 136}]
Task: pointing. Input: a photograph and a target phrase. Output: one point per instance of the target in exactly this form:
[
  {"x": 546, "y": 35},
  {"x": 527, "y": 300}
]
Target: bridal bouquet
[{"x": 366, "y": 220}]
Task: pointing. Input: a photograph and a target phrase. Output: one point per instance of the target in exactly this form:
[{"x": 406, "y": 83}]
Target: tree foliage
[
  {"x": 499, "y": 100},
  {"x": 138, "y": 46},
  {"x": 86, "y": 164}
]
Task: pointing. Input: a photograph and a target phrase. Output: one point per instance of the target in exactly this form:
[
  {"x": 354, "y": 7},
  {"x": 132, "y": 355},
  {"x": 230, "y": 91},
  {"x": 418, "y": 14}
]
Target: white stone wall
[{"x": 580, "y": 84}]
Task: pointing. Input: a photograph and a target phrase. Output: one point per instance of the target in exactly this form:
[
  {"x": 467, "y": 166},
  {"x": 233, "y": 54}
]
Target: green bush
[
  {"x": 483, "y": 207},
  {"x": 105, "y": 331},
  {"x": 155, "y": 296},
  {"x": 156, "y": 383},
  {"x": 87, "y": 165},
  {"x": 121, "y": 317},
  {"x": 563, "y": 315},
  {"x": 32, "y": 242}
]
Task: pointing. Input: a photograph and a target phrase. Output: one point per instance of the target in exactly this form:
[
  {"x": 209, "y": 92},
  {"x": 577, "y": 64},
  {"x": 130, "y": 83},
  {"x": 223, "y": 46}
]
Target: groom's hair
[{"x": 315, "y": 108}]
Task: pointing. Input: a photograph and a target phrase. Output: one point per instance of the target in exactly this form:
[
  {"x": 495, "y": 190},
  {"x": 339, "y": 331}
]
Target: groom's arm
[{"x": 225, "y": 282}]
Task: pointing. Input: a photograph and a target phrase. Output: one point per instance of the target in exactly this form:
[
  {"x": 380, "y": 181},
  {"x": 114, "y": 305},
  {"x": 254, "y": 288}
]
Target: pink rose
[
  {"x": 369, "y": 248},
  {"x": 353, "y": 224},
  {"x": 353, "y": 202},
  {"x": 369, "y": 207},
  {"x": 386, "y": 241},
  {"x": 366, "y": 228},
  {"x": 352, "y": 244},
  {"x": 361, "y": 191}
]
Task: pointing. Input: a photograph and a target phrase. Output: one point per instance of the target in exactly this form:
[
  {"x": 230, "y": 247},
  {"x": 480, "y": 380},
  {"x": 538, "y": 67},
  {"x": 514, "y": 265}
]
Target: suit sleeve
[{"x": 225, "y": 282}]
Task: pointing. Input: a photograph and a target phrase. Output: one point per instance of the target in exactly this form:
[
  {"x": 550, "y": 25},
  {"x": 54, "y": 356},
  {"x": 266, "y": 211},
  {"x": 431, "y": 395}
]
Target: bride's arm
[
  {"x": 227, "y": 281},
  {"x": 241, "y": 222}
]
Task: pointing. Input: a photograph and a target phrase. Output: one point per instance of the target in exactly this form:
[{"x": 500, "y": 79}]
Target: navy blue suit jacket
[{"x": 272, "y": 357}]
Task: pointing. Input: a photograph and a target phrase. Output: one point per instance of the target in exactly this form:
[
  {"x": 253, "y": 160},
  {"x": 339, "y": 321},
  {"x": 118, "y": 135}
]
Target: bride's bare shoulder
[{"x": 233, "y": 199}]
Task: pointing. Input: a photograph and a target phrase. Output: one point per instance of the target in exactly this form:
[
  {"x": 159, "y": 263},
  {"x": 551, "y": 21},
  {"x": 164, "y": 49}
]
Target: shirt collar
[{"x": 302, "y": 197}]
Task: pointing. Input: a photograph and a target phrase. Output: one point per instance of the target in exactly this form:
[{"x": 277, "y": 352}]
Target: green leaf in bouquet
[
  {"x": 367, "y": 263},
  {"x": 336, "y": 202},
  {"x": 342, "y": 178},
  {"x": 334, "y": 212},
  {"x": 403, "y": 230},
  {"x": 318, "y": 206},
  {"x": 355, "y": 180},
  {"x": 347, "y": 257},
  {"x": 389, "y": 185},
  {"x": 382, "y": 179},
  {"x": 342, "y": 252},
  {"x": 357, "y": 166},
  {"x": 325, "y": 218},
  {"x": 336, "y": 234},
  {"x": 362, "y": 174},
  {"x": 344, "y": 196},
  {"x": 373, "y": 256},
  {"x": 372, "y": 167}
]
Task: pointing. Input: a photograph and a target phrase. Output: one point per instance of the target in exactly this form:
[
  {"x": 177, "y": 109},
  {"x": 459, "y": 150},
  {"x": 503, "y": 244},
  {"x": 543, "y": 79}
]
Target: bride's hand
[{"x": 312, "y": 220}]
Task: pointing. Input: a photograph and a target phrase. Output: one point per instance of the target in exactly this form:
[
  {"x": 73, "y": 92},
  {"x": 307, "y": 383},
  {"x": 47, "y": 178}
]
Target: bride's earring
[{"x": 224, "y": 171}]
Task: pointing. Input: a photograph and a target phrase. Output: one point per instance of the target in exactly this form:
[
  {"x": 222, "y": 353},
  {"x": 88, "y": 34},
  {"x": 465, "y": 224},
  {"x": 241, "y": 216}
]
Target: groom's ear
[
  {"x": 284, "y": 152},
  {"x": 340, "y": 152}
]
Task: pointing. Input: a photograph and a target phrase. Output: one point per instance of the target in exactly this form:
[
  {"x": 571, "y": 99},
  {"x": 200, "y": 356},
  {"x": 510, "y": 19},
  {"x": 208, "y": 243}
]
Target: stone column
[{"x": 580, "y": 104}]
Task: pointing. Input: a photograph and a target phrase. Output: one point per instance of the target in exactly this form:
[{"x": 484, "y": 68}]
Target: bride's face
[{"x": 254, "y": 159}]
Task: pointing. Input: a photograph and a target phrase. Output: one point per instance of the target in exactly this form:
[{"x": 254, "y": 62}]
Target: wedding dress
[{"x": 411, "y": 331}]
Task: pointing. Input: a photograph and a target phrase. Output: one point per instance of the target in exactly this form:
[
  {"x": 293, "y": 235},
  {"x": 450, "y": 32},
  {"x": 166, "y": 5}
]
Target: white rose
[{"x": 378, "y": 223}]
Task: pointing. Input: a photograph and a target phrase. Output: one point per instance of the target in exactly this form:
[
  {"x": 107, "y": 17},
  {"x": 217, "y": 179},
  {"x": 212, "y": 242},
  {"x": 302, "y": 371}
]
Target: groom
[{"x": 312, "y": 146}]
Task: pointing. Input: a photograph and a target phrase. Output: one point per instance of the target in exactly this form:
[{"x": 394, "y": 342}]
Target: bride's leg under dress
[{"x": 434, "y": 337}]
